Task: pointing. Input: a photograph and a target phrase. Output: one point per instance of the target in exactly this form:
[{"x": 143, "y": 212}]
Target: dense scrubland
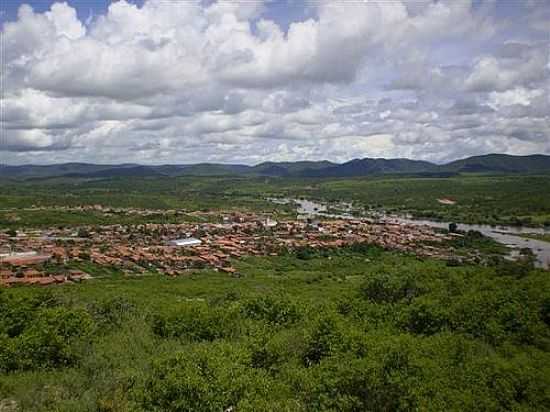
[
  {"x": 488, "y": 199},
  {"x": 354, "y": 329},
  {"x": 351, "y": 329}
]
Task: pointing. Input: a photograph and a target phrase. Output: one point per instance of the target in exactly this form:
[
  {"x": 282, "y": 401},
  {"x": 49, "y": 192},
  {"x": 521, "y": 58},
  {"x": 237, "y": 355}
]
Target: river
[{"x": 508, "y": 235}]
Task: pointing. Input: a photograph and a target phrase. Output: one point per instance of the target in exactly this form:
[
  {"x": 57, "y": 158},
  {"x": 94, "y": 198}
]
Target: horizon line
[{"x": 3, "y": 164}]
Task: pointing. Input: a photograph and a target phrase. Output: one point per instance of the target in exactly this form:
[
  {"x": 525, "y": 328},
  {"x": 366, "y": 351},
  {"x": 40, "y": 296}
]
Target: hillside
[
  {"x": 62, "y": 169},
  {"x": 289, "y": 168},
  {"x": 365, "y": 167},
  {"x": 491, "y": 163},
  {"x": 501, "y": 163}
]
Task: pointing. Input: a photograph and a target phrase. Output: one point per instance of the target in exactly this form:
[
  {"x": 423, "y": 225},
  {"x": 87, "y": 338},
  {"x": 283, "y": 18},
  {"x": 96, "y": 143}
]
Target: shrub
[
  {"x": 426, "y": 316},
  {"x": 16, "y": 313},
  {"x": 388, "y": 287},
  {"x": 109, "y": 313},
  {"x": 499, "y": 315},
  {"x": 379, "y": 381},
  {"x": 545, "y": 311},
  {"x": 323, "y": 339},
  {"x": 306, "y": 253},
  {"x": 51, "y": 339},
  {"x": 82, "y": 232},
  {"x": 518, "y": 268},
  {"x": 274, "y": 310},
  {"x": 207, "y": 378},
  {"x": 274, "y": 351},
  {"x": 197, "y": 322}
]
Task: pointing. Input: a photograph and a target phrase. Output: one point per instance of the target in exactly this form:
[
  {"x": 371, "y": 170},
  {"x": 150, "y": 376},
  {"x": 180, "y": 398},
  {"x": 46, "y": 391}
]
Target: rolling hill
[
  {"x": 366, "y": 167},
  {"x": 491, "y": 163},
  {"x": 500, "y": 163}
]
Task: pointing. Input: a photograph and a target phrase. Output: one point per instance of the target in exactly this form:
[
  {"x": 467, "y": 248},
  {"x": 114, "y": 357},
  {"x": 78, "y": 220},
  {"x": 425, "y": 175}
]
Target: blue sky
[
  {"x": 83, "y": 7},
  {"x": 284, "y": 12},
  {"x": 156, "y": 81}
]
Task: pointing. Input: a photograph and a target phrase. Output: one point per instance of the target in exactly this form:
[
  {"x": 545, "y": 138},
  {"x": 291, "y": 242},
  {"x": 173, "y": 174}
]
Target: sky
[{"x": 185, "y": 81}]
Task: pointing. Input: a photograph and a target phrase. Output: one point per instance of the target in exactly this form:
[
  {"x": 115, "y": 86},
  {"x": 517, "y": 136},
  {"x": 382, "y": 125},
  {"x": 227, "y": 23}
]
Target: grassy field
[
  {"x": 479, "y": 198},
  {"x": 341, "y": 331}
]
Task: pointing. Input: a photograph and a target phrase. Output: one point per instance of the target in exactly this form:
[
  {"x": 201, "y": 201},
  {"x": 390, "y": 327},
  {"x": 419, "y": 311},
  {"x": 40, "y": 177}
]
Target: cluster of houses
[
  {"x": 173, "y": 249},
  {"x": 28, "y": 268}
]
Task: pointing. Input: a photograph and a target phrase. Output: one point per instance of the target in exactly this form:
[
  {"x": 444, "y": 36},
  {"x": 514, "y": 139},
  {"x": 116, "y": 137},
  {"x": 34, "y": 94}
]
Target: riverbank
[
  {"x": 511, "y": 236},
  {"x": 543, "y": 237}
]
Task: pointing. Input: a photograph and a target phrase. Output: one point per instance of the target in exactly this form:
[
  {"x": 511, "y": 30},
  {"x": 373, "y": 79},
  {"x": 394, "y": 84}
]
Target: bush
[
  {"x": 197, "y": 322},
  {"x": 82, "y": 232},
  {"x": 426, "y": 316},
  {"x": 274, "y": 310},
  {"x": 545, "y": 311},
  {"x": 498, "y": 316},
  {"x": 208, "y": 378},
  {"x": 386, "y": 287},
  {"x": 274, "y": 351},
  {"x": 379, "y": 381},
  {"x": 51, "y": 339},
  {"x": 110, "y": 313},
  {"x": 323, "y": 339},
  {"x": 518, "y": 268},
  {"x": 17, "y": 313},
  {"x": 306, "y": 253}
]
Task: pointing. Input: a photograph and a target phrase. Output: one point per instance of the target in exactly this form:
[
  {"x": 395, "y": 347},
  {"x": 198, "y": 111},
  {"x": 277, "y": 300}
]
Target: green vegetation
[
  {"x": 543, "y": 237},
  {"x": 354, "y": 329},
  {"x": 66, "y": 218},
  {"x": 474, "y": 240},
  {"x": 504, "y": 199},
  {"x": 191, "y": 193},
  {"x": 479, "y": 199}
]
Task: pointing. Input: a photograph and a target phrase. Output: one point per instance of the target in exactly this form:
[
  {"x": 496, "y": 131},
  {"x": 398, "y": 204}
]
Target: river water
[{"x": 508, "y": 235}]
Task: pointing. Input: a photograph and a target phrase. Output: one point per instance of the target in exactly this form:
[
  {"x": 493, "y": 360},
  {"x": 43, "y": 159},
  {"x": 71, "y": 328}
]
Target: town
[{"x": 174, "y": 249}]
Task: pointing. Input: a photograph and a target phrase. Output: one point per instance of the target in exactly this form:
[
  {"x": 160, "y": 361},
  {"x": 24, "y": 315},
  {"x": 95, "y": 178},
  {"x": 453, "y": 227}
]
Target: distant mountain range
[{"x": 492, "y": 163}]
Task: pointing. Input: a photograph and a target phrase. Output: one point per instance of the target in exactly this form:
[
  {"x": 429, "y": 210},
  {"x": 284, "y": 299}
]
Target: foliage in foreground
[{"x": 355, "y": 331}]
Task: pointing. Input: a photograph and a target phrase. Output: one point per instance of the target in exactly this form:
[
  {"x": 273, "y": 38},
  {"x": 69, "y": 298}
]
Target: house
[
  {"x": 5, "y": 274},
  {"x": 186, "y": 242},
  {"x": 78, "y": 276},
  {"x": 24, "y": 259},
  {"x": 46, "y": 281},
  {"x": 32, "y": 273},
  {"x": 268, "y": 223},
  {"x": 58, "y": 278}
]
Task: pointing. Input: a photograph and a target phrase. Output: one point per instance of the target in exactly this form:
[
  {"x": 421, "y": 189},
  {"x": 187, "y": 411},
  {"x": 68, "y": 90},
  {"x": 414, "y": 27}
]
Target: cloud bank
[{"x": 194, "y": 81}]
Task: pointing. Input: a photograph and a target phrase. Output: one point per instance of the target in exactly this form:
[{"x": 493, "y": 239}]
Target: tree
[{"x": 83, "y": 232}]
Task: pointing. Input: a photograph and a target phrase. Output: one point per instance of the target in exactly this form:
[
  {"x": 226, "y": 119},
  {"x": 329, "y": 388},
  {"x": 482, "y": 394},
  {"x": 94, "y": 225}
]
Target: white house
[
  {"x": 189, "y": 241},
  {"x": 269, "y": 222}
]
